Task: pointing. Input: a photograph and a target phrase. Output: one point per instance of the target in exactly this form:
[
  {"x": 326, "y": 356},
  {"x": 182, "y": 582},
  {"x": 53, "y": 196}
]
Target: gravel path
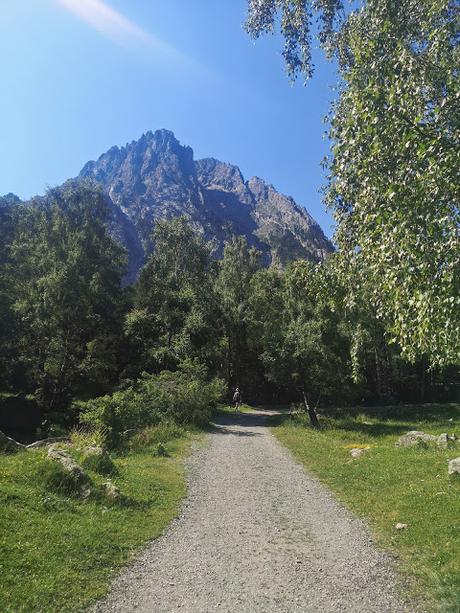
[{"x": 257, "y": 534}]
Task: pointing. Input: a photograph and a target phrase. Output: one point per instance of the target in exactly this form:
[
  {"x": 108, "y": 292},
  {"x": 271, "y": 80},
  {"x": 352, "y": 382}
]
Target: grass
[
  {"x": 388, "y": 485},
  {"x": 58, "y": 552}
]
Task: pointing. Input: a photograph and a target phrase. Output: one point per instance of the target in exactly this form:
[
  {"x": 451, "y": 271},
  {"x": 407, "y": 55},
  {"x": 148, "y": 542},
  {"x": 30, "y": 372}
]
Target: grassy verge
[
  {"x": 388, "y": 485},
  {"x": 57, "y": 552}
]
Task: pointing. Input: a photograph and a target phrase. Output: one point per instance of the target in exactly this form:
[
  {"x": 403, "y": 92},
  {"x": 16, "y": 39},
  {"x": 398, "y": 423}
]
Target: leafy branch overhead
[
  {"x": 393, "y": 181},
  {"x": 295, "y": 19}
]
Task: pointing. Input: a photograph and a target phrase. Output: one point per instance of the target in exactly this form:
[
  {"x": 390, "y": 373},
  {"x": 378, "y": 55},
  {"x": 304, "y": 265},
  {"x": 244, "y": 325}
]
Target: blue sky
[{"x": 79, "y": 76}]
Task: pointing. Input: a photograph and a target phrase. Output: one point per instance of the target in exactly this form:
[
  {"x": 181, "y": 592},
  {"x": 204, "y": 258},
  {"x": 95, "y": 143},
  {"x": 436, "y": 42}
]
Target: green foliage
[
  {"x": 64, "y": 282},
  {"x": 81, "y": 438},
  {"x": 299, "y": 330},
  {"x": 394, "y": 183},
  {"x": 295, "y": 18},
  {"x": 306, "y": 329},
  {"x": 8, "y": 354},
  {"x": 233, "y": 290},
  {"x": 185, "y": 397},
  {"x": 160, "y": 450},
  {"x": 174, "y": 314}
]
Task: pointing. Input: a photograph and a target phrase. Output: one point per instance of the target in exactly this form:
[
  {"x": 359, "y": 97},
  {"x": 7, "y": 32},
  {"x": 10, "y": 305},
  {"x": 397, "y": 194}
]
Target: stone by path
[{"x": 257, "y": 534}]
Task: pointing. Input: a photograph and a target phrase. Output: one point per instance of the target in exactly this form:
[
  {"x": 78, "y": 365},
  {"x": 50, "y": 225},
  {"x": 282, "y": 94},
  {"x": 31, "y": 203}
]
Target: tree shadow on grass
[
  {"x": 375, "y": 430},
  {"x": 392, "y": 420},
  {"x": 403, "y": 412},
  {"x": 396, "y": 420}
]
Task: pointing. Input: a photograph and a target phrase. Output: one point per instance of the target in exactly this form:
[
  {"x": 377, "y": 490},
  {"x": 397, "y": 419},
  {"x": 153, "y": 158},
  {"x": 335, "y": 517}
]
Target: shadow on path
[{"x": 225, "y": 423}]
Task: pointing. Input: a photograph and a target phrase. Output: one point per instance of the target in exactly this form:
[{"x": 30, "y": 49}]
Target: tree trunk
[
  {"x": 312, "y": 414},
  {"x": 378, "y": 372},
  {"x": 423, "y": 379}
]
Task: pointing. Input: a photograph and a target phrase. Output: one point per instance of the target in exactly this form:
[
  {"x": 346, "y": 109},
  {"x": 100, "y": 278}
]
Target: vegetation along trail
[{"x": 257, "y": 533}]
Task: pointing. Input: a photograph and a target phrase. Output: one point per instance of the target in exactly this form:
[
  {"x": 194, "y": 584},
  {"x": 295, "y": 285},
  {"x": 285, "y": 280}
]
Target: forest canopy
[{"x": 70, "y": 330}]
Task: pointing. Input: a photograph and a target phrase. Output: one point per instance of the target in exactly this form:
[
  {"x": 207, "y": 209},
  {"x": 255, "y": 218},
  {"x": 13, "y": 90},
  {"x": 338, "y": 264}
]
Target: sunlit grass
[{"x": 58, "y": 553}]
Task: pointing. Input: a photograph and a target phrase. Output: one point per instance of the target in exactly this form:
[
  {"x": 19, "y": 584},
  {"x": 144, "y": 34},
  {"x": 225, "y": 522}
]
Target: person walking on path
[{"x": 237, "y": 398}]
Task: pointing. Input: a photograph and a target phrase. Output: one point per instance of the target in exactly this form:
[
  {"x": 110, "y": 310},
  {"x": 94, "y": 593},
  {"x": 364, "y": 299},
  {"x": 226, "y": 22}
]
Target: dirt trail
[{"x": 257, "y": 534}]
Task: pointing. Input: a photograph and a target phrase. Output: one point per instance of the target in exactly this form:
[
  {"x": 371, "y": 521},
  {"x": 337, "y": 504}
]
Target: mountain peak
[
  {"x": 156, "y": 177},
  {"x": 161, "y": 137}
]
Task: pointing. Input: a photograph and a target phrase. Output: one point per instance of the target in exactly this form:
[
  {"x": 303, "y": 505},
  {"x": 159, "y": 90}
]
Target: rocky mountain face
[{"x": 157, "y": 178}]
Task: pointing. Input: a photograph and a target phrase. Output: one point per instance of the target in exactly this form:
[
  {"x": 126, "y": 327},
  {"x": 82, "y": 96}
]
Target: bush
[{"x": 183, "y": 397}]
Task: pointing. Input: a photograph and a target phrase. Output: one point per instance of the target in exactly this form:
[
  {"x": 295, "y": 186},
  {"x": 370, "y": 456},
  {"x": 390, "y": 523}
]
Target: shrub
[{"x": 183, "y": 397}]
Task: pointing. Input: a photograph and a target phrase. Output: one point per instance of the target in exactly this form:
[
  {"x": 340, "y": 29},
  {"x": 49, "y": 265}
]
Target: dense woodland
[
  {"x": 377, "y": 321},
  {"x": 70, "y": 329}
]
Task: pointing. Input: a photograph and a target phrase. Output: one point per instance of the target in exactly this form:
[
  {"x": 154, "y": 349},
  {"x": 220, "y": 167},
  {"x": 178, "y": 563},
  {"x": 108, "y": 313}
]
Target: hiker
[{"x": 237, "y": 398}]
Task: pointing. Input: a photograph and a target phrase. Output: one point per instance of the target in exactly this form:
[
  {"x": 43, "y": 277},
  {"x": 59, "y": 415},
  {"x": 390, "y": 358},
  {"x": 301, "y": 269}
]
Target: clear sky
[{"x": 78, "y": 76}]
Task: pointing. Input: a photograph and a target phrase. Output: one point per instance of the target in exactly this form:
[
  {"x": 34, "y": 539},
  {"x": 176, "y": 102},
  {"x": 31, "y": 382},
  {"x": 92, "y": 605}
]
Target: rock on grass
[
  {"x": 63, "y": 474},
  {"x": 414, "y": 438},
  {"x": 454, "y": 467}
]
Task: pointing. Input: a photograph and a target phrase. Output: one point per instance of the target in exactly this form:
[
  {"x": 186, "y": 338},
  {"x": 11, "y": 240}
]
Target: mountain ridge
[{"x": 156, "y": 177}]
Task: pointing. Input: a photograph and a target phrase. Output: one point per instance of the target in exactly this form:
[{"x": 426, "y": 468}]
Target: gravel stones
[{"x": 256, "y": 533}]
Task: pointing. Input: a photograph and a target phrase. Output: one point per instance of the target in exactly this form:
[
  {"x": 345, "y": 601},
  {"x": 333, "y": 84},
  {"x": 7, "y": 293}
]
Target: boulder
[
  {"x": 415, "y": 437},
  {"x": 454, "y": 467},
  {"x": 9, "y": 445},
  {"x": 400, "y": 526},
  {"x": 68, "y": 463},
  {"x": 357, "y": 452},
  {"x": 445, "y": 440}
]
